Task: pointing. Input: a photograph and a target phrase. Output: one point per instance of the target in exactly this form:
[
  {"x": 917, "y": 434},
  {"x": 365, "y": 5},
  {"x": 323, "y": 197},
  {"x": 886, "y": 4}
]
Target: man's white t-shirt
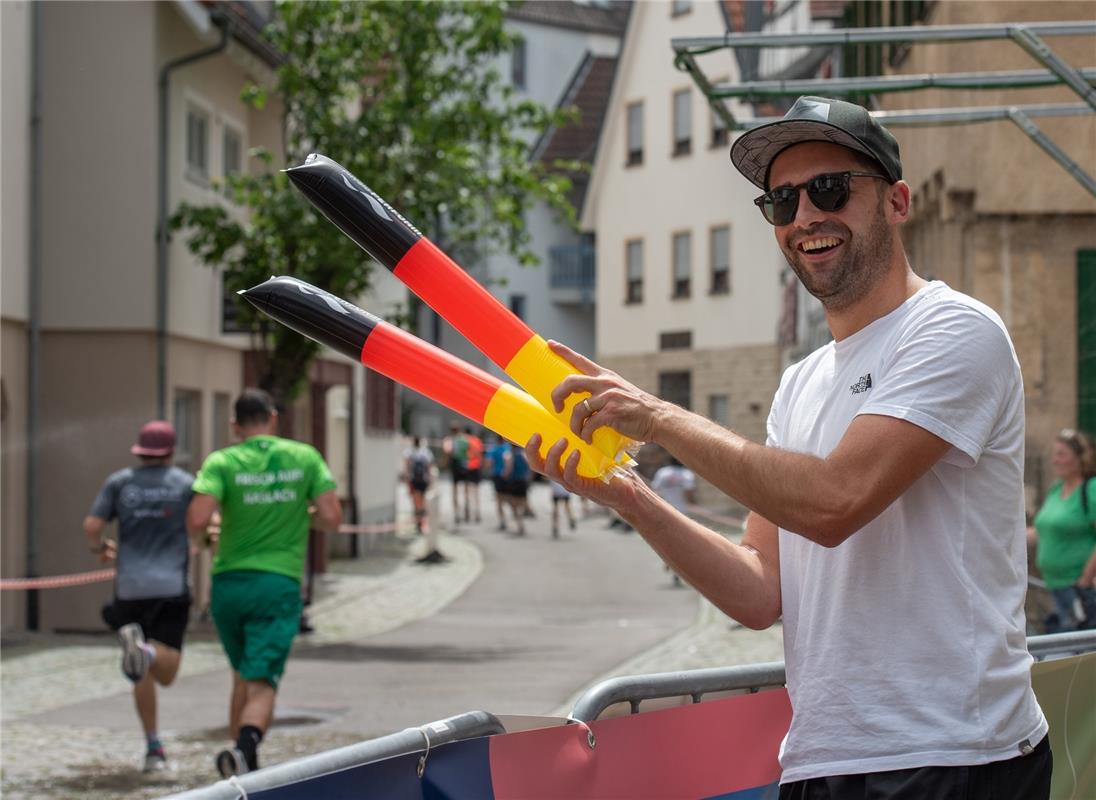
[{"x": 905, "y": 646}]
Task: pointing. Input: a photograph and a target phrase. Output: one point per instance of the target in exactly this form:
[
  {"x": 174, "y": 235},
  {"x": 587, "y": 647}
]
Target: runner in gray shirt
[{"x": 151, "y": 604}]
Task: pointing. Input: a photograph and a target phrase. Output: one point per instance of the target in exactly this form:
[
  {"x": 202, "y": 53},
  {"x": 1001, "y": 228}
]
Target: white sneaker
[
  {"x": 155, "y": 761},
  {"x": 135, "y": 660}
]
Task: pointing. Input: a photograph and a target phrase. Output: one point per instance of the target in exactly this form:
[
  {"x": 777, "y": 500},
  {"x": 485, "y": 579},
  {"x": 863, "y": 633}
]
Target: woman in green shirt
[{"x": 1065, "y": 530}]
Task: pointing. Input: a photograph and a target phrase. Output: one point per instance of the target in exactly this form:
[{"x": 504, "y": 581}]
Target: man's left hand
[{"x": 612, "y": 401}]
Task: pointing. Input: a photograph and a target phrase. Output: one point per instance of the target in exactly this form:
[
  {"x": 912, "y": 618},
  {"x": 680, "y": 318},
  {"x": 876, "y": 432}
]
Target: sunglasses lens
[
  {"x": 829, "y": 192},
  {"x": 780, "y": 206}
]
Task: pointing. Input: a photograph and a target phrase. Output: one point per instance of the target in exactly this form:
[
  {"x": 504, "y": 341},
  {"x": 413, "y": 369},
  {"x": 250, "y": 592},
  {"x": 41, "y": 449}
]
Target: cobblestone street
[{"x": 396, "y": 644}]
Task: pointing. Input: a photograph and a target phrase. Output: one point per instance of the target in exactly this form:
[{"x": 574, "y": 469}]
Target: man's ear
[{"x": 898, "y": 203}]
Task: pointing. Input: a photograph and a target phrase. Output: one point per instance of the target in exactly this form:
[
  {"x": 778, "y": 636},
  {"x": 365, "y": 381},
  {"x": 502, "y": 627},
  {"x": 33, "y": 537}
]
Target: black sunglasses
[{"x": 828, "y": 192}]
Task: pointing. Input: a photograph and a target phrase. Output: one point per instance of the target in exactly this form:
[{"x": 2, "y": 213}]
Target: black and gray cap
[{"x": 816, "y": 119}]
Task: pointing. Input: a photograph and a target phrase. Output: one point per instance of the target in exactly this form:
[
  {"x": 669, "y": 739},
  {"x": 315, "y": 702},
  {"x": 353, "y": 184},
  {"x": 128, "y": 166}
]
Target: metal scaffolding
[{"x": 1029, "y": 37}]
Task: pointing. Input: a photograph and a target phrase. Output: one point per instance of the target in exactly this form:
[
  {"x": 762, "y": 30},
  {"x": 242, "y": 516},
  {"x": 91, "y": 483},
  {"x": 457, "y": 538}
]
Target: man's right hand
[
  {"x": 618, "y": 493},
  {"x": 109, "y": 553}
]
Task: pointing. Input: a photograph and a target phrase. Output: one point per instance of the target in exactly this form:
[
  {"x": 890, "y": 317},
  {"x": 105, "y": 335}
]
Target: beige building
[
  {"x": 92, "y": 249},
  {"x": 996, "y": 217},
  {"x": 689, "y": 279}
]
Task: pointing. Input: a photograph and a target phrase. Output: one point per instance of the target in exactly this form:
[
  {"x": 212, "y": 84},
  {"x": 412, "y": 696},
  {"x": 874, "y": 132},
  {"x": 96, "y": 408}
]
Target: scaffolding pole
[{"x": 1016, "y": 79}]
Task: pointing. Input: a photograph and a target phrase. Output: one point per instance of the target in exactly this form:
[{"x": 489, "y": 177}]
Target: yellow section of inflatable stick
[
  {"x": 516, "y": 416},
  {"x": 538, "y": 370}
]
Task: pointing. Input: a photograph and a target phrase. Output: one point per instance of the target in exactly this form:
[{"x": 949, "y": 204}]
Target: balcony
[{"x": 572, "y": 274}]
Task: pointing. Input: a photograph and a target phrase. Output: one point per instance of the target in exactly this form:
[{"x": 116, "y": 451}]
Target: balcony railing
[{"x": 572, "y": 273}]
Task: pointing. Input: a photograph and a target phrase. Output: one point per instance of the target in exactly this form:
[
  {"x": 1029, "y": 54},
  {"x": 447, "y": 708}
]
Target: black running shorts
[{"x": 163, "y": 619}]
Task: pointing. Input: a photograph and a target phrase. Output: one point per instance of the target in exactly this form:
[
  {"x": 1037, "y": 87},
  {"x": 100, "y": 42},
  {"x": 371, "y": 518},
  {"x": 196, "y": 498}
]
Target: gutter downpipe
[
  {"x": 34, "y": 307},
  {"x": 161, "y": 224}
]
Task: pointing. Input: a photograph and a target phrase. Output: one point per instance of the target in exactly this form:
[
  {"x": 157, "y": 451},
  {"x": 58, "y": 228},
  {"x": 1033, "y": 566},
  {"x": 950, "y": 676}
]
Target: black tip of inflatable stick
[
  {"x": 317, "y": 314},
  {"x": 355, "y": 209}
]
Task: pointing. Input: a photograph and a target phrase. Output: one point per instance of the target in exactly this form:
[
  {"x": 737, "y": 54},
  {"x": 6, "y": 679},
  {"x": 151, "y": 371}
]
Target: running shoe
[
  {"x": 155, "y": 761},
  {"x": 231, "y": 762},
  {"x": 135, "y": 660}
]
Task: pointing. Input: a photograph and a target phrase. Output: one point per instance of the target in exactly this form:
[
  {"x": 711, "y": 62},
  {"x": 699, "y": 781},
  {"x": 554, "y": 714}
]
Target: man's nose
[{"x": 807, "y": 214}]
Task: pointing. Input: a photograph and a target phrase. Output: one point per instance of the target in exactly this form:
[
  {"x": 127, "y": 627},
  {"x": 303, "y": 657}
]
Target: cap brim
[
  {"x": 137, "y": 450},
  {"x": 754, "y": 152}
]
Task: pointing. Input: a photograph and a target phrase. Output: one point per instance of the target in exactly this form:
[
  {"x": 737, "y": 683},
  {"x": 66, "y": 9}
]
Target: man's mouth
[{"x": 819, "y": 245}]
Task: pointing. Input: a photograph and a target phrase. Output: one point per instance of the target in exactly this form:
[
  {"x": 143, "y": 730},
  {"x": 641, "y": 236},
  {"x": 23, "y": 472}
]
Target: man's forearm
[
  {"x": 730, "y": 575},
  {"x": 795, "y": 491}
]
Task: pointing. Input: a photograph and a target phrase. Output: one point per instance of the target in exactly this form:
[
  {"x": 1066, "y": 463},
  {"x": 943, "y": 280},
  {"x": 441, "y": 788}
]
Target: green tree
[{"x": 406, "y": 96}]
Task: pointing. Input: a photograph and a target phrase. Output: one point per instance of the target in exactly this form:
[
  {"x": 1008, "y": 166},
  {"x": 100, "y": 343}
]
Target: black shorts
[
  {"x": 458, "y": 473},
  {"x": 500, "y": 485},
  {"x": 162, "y": 619},
  {"x": 518, "y": 489},
  {"x": 1020, "y": 778},
  {"x": 472, "y": 475},
  {"x": 420, "y": 486}
]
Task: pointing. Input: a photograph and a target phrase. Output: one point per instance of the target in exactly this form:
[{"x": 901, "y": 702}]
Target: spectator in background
[
  {"x": 676, "y": 484},
  {"x": 516, "y": 475},
  {"x": 473, "y": 463},
  {"x": 561, "y": 497},
  {"x": 264, "y": 487},
  {"x": 418, "y": 462},
  {"x": 151, "y": 602},
  {"x": 452, "y": 448},
  {"x": 496, "y": 462},
  {"x": 1065, "y": 533}
]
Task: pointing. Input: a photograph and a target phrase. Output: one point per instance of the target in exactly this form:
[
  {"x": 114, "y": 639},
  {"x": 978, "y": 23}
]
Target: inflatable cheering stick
[
  {"x": 440, "y": 283},
  {"x": 410, "y": 361}
]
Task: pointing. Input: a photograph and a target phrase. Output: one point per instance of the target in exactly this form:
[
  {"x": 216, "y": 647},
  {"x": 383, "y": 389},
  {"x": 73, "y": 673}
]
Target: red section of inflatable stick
[
  {"x": 404, "y": 358},
  {"x": 468, "y": 307}
]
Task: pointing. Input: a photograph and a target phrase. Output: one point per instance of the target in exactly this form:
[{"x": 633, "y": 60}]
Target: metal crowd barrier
[
  {"x": 630, "y": 689},
  {"x": 469, "y": 725},
  {"x": 634, "y": 689}
]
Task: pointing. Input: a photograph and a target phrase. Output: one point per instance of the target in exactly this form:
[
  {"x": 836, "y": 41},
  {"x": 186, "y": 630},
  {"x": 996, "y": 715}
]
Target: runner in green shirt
[{"x": 264, "y": 487}]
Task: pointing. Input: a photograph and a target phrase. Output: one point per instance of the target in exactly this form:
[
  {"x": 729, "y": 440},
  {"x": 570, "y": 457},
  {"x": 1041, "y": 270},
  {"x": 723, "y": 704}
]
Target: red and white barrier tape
[{"x": 58, "y": 581}]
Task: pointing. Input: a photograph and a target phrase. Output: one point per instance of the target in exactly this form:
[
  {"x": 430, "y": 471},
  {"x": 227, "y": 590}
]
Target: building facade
[{"x": 106, "y": 359}]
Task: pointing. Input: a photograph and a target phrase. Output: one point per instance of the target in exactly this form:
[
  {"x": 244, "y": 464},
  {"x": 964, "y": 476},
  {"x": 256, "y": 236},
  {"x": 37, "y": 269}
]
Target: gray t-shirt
[{"x": 150, "y": 505}]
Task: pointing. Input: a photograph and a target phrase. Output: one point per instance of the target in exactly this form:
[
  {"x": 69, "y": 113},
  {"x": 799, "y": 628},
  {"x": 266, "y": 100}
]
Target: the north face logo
[{"x": 861, "y": 385}]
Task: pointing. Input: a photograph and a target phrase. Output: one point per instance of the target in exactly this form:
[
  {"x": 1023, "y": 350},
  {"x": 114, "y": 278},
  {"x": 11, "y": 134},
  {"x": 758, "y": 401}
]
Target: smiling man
[{"x": 887, "y": 517}]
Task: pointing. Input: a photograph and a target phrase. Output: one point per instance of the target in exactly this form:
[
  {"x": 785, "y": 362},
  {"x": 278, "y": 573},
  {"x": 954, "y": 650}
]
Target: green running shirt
[{"x": 264, "y": 485}]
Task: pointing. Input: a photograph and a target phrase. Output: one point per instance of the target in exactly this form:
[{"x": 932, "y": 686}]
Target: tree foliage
[{"x": 409, "y": 97}]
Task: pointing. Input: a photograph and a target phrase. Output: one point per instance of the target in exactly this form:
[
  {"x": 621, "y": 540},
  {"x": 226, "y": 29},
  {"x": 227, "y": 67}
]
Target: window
[
  {"x": 683, "y": 247},
  {"x": 676, "y": 387},
  {"x": 720, "y": 134},
  {"x": 680, "y": 7},
  {"x": 232, "y": 309},
  {"x": 683, "y": 122},
  {"x": 635, "y": 134},
  {"x": 222, "y": 420},
  {"x": 197, "y": 144},
  {"x": 634, "y": 260},
  {"x": 233, "y": 152},
  {"x": 719, "y": 409},
  {"x": 517, "y": 305},
  {"x": 517, "y": 65},
  {"x": 380, "y": 402},
  {"x": 720, "y": 249},
  {"x": 188, "y": 429},
  {"x": 675, "y": 340}
]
